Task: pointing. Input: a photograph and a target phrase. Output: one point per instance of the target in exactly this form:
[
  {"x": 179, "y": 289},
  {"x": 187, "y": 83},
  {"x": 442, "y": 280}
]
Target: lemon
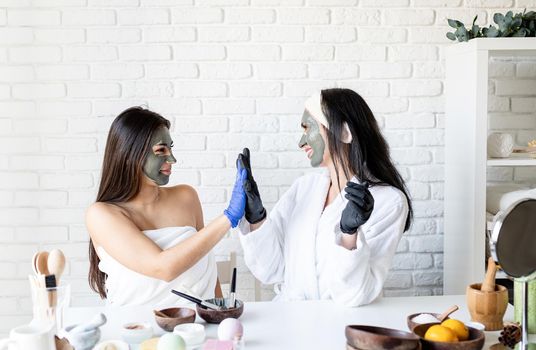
[
  {"x": 440, "y": 333},
  {"x": 458, "y": 327}
]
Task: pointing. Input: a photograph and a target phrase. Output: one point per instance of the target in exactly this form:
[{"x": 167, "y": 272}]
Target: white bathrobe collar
[{"x": 308, "y": 278}]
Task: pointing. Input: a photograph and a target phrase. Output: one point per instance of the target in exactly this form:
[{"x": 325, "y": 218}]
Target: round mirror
[{"x": 515, "y": 233}]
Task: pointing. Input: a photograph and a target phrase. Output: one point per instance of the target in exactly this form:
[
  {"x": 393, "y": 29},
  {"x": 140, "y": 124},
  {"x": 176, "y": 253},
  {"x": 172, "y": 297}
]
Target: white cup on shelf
[{"x": 500, "y": 145}]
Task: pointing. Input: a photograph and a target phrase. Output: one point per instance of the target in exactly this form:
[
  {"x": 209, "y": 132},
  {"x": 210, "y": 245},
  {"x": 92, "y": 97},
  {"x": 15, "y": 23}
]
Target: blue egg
[{"x": 170, "y": 341}]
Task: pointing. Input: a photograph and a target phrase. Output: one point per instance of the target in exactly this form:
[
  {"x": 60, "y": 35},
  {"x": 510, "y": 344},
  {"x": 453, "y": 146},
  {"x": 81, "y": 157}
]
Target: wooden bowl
[
  {"x": 475, "y": 341},
  {"x": 175, "y": 316},
  {"x": 412, "y": 324},
  {"x": 370, "y": 337},
  {"x": 350, "y": 347},
  {"x": 216, "y": 316}
]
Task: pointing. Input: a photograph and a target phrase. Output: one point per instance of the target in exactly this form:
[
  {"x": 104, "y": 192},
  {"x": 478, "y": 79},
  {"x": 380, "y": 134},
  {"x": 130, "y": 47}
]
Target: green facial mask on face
[
  {"x": 312, "y": 138},
  {"x": 158, "y": 154}
]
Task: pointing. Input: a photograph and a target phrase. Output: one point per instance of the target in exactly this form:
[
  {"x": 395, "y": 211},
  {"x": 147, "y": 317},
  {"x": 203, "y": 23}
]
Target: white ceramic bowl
[
  {"x": 476, "y": 325},
  {"x": 137, "y": 335},
  {"x": 192, "y": 333}
]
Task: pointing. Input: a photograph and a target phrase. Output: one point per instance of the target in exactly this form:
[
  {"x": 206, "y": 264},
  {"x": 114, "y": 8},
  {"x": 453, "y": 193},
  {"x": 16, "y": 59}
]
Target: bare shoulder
[
  {"x": 99, "y": 209},
  {"x": 99, "y": 214},
  {"x": 183, "y": 193}
]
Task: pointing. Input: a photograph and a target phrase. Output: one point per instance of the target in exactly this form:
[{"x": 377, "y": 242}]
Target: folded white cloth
[
  {"x": 127, "y": 287},
  {"x": 500, "y": 197}
]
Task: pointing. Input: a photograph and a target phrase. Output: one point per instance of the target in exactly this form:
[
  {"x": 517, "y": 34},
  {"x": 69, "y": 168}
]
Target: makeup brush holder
[
  {"x": 49, "y": 304},
  {"x": 487, "y": 308}
]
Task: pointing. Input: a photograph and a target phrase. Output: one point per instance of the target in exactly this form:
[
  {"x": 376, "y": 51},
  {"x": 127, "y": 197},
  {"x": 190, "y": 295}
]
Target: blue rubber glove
[{"x": 237, "y": 204}]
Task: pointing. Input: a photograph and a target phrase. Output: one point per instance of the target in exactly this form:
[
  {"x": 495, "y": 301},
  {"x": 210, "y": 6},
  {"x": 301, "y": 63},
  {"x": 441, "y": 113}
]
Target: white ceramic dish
[
  {"x": 137, "y": 335},
  {"x": 119, "y": 344},
  {"x": 192, "y": 333},
  {"x": 476, "y": 325}
]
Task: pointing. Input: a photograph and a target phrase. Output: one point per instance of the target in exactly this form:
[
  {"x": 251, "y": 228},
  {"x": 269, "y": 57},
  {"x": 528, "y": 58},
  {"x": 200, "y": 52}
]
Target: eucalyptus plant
[{"x": 509, "y": 25}]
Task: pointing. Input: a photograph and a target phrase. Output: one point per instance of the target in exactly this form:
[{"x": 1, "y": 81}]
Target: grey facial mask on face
[
  {"x": 313, "y": 138},
  {"x": 158, "y": 154}
]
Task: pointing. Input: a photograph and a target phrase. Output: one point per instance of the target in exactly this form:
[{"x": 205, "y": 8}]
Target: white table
[{"x": 297, "y": 325}]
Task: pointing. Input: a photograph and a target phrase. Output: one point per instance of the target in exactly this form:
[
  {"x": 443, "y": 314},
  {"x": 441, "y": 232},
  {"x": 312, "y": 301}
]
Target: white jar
[{"x": 500, "y": 145}]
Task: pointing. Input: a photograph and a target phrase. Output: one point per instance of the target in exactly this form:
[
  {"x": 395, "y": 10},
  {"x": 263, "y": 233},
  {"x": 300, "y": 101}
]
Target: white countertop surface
[{"x": 297, "y": 325}]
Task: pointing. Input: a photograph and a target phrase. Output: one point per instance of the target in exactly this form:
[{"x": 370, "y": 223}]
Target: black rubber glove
[
  {"x": 255, "y": 211},
  {"x": 358, "y": 209}
]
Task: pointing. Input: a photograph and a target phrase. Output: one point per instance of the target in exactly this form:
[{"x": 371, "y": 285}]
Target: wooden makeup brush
[
  {"x": 56, "y": 264},
  {"x": 50, "y": 283}
]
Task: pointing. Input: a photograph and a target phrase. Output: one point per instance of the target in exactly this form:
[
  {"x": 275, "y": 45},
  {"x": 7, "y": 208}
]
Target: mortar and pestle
[{"x": 487, "y": 301}]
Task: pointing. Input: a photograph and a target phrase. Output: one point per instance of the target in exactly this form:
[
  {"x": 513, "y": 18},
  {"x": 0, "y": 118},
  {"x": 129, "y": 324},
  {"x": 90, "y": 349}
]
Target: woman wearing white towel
[
  {"x": 333, "y": 234},
  {"x": 147, "y": 239}
]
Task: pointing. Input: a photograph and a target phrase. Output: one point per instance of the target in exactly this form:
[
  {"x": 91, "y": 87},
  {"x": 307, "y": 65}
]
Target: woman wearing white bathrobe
[{"x": 319, "y": 242}]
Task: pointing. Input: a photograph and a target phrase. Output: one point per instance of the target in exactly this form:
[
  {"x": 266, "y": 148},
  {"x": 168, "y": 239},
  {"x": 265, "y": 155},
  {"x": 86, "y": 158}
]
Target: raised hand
[
  {"x": 358, "y": 209},
  {"x": 237, "y": 204},
  {"x": 255, "y": 211}
]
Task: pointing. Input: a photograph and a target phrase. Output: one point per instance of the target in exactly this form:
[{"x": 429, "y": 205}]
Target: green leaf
[
  {"x": 503, "y": 27},
  {"x": 492, "y": 32},
  {"x": 521, "y": 24},
  {"x": 462, "y": 34},
  {"x": 532, "y": 26},
  {"x": 522, "y": 32},
  {"x": 454, "y": 24},
  {"x": 529, "y": 14}
]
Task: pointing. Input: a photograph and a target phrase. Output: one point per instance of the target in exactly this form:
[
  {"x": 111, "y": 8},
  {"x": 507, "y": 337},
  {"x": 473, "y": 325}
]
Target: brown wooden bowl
[
  {"x": 412, "y": 324},
  {"x": 216, "y": 316},
  {"x": 475, "y": 341},
  {"x": 350, "y": 347},
  {"x": 175, "y": 316},
  {"x": 370, "y": 337}
]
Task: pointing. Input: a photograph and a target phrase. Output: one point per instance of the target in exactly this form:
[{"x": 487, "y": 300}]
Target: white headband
[{"x": 314, "y": 106}]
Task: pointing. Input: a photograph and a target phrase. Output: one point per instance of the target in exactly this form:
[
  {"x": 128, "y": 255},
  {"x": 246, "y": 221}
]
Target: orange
[
  {"x": 440, "y": 333},
  {"x": 458, "y": 327}
]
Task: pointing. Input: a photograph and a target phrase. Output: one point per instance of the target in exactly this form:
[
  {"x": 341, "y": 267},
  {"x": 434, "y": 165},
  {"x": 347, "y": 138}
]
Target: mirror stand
[
  {"x": 524, "y": 344},
  {"x": 516, "y": 253}
]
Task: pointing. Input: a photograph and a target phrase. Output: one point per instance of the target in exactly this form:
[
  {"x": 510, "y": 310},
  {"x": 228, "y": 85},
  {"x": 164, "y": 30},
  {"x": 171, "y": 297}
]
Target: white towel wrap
[{"x": 127, "y": 287}]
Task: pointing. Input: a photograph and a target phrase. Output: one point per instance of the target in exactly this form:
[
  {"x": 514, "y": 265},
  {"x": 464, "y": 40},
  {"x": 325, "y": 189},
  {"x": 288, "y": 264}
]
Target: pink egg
[{"x": 230, "y": 329}]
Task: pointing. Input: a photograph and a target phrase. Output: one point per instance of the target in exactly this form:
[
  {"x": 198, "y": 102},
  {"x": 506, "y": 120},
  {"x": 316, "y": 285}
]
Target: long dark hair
[
  {"x": 126, "y": 147},
  {"x": 367, "y": 156}
]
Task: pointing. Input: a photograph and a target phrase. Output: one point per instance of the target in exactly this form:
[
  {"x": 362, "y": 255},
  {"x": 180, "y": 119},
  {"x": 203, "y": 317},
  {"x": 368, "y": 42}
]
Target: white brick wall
[
  {"x": 228, "y": 74},
  {"x": 512, "y": 109}
]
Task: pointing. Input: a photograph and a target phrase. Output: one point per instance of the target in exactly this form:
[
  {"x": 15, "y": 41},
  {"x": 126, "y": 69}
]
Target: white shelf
[
  {"x": 514, "y": 161},
  {"x": 498, "y": 46},
  {"x": 466, "y": 161}
]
